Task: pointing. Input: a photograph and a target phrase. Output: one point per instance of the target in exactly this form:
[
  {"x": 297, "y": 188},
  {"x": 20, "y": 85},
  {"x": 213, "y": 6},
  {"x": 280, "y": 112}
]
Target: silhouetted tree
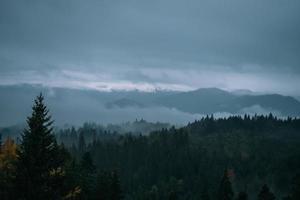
[
  {"x": 88, "y": 175},
  {"x": 116, "y": 192},
  {"x": 296, "y": 187},
  {"x": 102, "y": 186},
  {"x": 37, "y": 155},
  {"x": 225, "y": 189},
  {"x": 108, "y": 186},
  {"x": 87, "y": 164},
  {"x": 73, "y": 180},
  {"x": 265, "y": 194},
  {"x": 81, "y": 143}
]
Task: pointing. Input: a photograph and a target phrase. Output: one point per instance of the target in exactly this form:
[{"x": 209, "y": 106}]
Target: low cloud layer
[{"x": 148, "y": 79}]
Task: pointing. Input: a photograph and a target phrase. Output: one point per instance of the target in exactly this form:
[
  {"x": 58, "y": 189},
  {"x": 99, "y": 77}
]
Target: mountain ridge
[{"x": 78, "y": 105}]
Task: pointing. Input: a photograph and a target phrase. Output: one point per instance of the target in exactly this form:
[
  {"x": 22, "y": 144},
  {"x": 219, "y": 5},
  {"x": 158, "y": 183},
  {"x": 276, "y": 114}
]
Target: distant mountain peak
[{"x": 243, "y": 92}]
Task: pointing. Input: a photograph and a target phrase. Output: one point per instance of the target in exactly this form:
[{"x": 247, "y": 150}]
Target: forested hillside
[
  {"x": 239, "y": 157},
  {"x": 190, "y": 161}
]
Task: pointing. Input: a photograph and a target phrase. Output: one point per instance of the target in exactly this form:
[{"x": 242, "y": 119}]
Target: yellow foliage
[
  {"x": 73, "y": 193},
  {"x": 9, "y": 147},
  {"x": 8, "y": 154},
  {"x": 57, "y": 172}
]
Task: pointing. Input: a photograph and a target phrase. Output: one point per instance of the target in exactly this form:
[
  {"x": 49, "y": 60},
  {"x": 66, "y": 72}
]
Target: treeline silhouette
[{"x": 249, "y": 157}]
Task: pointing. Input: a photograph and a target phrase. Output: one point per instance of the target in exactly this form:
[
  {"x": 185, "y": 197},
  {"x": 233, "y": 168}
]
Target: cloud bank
[{"x": 138, "y": 44}]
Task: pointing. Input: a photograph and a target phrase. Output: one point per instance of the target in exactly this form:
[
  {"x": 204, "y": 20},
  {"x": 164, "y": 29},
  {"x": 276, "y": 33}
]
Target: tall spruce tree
[
  {"x": 225, "y": 189},
  {"x": 38, "y": 153}
]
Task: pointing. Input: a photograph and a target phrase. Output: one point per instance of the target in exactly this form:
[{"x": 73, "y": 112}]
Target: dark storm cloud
[{"x": 130, "y": 37}]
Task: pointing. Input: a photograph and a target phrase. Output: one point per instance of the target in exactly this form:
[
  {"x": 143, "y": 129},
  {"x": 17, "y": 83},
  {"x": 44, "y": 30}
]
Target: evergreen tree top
[
  {"x": 265, "y": 193},
  {"x": 40, "y": 118},
  {"x": 38, "y": 133}
]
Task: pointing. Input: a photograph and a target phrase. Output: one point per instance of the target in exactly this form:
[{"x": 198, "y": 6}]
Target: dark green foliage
[
  {"x": 108, "y": 186},
  {"x": 73, "y": 178},
  {"x": 115, "y": 186},
  {"x": 196, "y": 155},
  {"x": 87, "y": 164},
  {"x": 173, "y": 196},
  {"x": 225, "y": 190},
  {"x": 87, "y": 175},
  {"x": 38, "y": 156},
  {"x": 205, "y": 194},
  {"x": 102, "y": 186},
  {"x": 265, "y": 194},
  {"x": 81, "y": 143},
  {"x": 296, "y": 187},
  {"x": 153, "y": 194},
  {"x": 287, "y": 198},
  {"x": 242, "y": 196}
]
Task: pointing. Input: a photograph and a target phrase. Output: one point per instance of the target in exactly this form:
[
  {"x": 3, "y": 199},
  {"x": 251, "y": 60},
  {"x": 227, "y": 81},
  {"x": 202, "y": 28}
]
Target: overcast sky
[{"x": 148, "y": 45}]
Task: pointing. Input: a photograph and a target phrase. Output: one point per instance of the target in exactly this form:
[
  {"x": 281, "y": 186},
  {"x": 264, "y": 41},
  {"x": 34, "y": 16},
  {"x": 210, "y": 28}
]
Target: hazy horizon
[{"x": 241, "y": 47}]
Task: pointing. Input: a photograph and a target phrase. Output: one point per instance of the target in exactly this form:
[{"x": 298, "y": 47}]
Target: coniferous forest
[{"x": 238, "y": 157}]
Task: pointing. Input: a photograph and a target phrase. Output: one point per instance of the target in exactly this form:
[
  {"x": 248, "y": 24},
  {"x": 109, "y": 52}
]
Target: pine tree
[
  {"x": 115, "y": 188},
  {"x": 87, "y": 164},
  {"x": 265, "y": 194},
  {"x": 37, "y": 155},
  {"x": 88, "y": 175},
  {"x": 225, "y": 189},
  {"x": 102, "y": 186},
  {"x": 296, "y": 188},
  {"x": 81, "y": 143},
  {"x": 108, "y": 186},
  {"x": 72, "y": 181}
]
